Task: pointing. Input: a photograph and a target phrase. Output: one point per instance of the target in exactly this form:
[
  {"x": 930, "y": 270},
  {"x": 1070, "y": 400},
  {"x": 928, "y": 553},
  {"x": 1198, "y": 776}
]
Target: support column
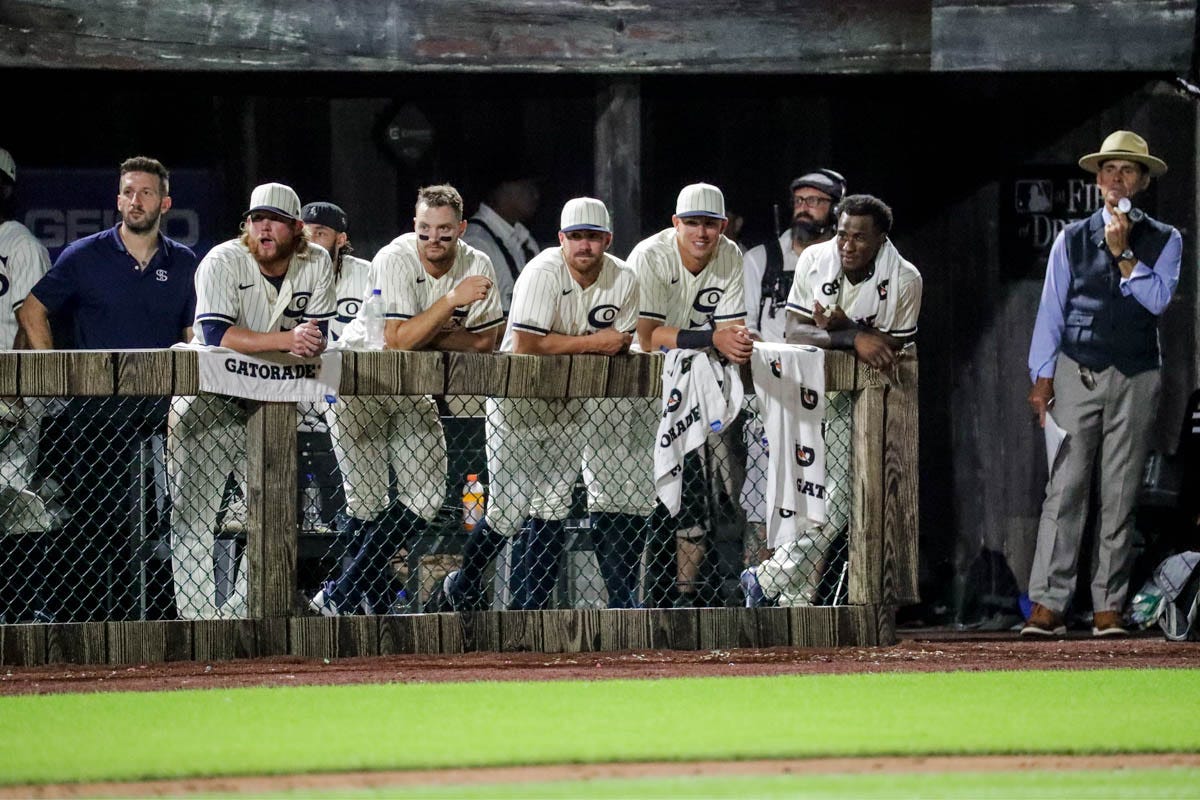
[{"x": 619, "y": 158}]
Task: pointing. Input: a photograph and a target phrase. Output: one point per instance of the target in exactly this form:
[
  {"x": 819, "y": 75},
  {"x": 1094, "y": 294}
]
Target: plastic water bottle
[
  {"x": 473, "y": 502},
  {"x": 373, "y": 316},
  {"x": 311, "y": 519}
]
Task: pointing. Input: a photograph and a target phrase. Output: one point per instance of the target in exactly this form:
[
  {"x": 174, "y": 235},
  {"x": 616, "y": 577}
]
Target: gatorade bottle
[
  {"x": 374, "y": 317},
  {"x": 473, "y": 502}
]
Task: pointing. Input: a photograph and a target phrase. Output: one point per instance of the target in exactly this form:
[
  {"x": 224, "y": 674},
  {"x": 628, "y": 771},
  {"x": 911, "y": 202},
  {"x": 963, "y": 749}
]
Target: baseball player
[
  {"x": 267, "y": 291},
  {"x": 439, "y": 294},
  {"x": 23, "y": 260},
  {"x": 853, "y": 292},
  {"x": 770, "y": 269},
  {"x": 575, "y": 298},
  {"x": 692, "y": 296},
  {"x": 326, "y": 224}
]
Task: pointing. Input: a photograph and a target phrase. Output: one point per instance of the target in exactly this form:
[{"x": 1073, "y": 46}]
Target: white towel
[
  {"x": 700, "y": 396},
  {"x": 875, "y": 301},
  {"x": 790, "y": 383}
]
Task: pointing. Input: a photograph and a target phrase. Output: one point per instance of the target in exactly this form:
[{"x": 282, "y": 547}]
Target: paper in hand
[{"x": 1055, "y": 436}]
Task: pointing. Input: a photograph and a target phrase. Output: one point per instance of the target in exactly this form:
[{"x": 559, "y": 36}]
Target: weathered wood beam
[
  {"x": 721, "y": 36},
  {"x": 817, "y": 36},
  {"x": 1086, "y": 35},
  {"x": 174, "y": 372}
]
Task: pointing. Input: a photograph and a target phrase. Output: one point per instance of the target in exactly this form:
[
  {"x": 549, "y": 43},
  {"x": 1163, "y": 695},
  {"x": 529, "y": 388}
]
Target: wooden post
[
  {"x": 866, "y": 513},
  {"x": 619, "y": 158},
  {"x": 271, "y": 508}
]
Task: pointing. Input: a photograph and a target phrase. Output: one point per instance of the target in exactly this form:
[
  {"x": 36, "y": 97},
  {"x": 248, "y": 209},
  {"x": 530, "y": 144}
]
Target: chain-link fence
[{"x": 134, "y": 508}]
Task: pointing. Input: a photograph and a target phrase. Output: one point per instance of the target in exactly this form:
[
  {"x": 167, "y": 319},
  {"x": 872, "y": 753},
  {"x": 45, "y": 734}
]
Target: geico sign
[{"x": 56, "y": 227}]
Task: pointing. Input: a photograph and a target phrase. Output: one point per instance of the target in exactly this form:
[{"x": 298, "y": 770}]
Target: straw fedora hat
[{"x": 1128, "y": 146}]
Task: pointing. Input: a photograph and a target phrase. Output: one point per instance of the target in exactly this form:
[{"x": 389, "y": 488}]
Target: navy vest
[{"x": 1103, "y": 327}]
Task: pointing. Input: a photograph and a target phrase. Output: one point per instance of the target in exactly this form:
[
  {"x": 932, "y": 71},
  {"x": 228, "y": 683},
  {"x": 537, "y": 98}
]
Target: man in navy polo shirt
[{"x": 129, "y": 287}]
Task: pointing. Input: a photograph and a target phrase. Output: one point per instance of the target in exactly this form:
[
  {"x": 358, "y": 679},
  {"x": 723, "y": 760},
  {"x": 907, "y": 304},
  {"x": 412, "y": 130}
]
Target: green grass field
[{"x": 133, "y": 736}]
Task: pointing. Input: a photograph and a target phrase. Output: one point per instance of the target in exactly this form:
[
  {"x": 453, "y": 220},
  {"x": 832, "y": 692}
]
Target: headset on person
[{"x": 776, "y": 283}]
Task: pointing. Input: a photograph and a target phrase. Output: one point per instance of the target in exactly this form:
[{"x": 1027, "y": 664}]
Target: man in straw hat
[{"x": 1094, "y": 362}]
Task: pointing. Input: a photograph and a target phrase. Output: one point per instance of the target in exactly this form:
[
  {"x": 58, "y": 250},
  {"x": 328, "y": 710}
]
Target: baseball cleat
[
  {"x": 322, "y": 604},
  {"x": 752, "y": 589}
]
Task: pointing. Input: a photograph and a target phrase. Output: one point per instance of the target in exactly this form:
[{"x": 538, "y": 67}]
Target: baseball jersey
[
  {"x": 675, "y": 297},
  {"x": 888, "y": 301},
  {"x": 23, "y": 260},
  {"x": 407, "y": 289},
  {"x": 547, "y": 299},
  {"x": 353, "y": 286},
  {"x": 231, "y": 289}
]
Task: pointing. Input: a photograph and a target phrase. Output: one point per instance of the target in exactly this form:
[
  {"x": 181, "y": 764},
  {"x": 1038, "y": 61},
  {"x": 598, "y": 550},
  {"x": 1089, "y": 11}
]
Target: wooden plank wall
[
  {"x": 883, "y": 534},
  {"x": 723, "y": 36}
]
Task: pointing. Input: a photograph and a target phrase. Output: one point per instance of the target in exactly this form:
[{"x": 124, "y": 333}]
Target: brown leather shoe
[
  {"x": 1044, "y": 622},
  {"x": 1108, "y": 623}
]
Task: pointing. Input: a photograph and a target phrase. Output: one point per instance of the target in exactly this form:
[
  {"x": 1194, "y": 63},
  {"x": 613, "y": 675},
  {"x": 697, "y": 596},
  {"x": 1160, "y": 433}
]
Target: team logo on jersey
[
  {"x": 295, "y": 309},
  {"x": 707, "y": 300},
  {"x": 673, "y": 400},
  {"x": 777, "y": 368},
  {"x": 348, "y": 309},
  {"x": 602, "y": 316},
  {"x": 160, "y": 275},
  {"x": 808, "y": 398},
  {"x": 805, "y": 456},
  {"x": 685, "y": 366},
  {"x": 831, "y": 288},
  {"x": 882, "y": 289},
  {"x": 4, "y": 284}
]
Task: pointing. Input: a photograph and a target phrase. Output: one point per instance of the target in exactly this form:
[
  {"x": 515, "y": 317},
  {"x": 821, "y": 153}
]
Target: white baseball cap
[
  {"x": 7, "y": 165},
  {"x": 276, "y": 198},
  {"x": 700, "y": 200},
  {"x": 585, "y": 214}
]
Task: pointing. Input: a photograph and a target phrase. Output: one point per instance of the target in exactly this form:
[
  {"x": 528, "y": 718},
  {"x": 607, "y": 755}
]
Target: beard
[
  {"x": 806, "y": 231},
  {"x": 147, "y": 223},
  {"x": 284, "y": 250},
  {"x": 443, "y": 260}
]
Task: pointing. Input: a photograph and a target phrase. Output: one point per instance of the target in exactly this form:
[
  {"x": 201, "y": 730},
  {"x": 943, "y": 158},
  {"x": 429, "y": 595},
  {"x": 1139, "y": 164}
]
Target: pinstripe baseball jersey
[
  {"x": 408, "y": 289},
  {"x": 547, "y": 299},
  {"x": 23, "y": 260},
  {"x": 353, "y": 285},
  {"x": 889, "y": 300},
  {"x": 231, "y": 289},
  {"x": 675, "y": 297}
]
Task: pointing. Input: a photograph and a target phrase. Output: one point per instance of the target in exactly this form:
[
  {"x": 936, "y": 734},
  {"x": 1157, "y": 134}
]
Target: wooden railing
[{"x": 882, "y": 540}]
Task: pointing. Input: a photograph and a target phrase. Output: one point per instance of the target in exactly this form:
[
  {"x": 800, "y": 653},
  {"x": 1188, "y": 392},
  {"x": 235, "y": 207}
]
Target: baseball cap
[
  {"x": 276, "y": 198},
  {"x": 700, "y": 200},
  {"x": 327, "y": 214},
  {"x": 7, "y": 165},
  {"x": 585, "y": 214},
  {"x": 822, "y": 182}
]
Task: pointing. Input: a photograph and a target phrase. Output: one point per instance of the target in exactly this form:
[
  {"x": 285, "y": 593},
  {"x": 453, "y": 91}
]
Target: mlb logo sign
[{"x": 1033, "y": 196}]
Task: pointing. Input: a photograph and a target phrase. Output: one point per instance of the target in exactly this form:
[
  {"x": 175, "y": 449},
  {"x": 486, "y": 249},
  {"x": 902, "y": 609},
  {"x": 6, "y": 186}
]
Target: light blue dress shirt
[{"x": 1152, "y": 287}]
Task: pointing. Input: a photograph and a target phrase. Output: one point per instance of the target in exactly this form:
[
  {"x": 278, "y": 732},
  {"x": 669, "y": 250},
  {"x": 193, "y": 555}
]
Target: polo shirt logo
[{"x": 160, "y": 275}]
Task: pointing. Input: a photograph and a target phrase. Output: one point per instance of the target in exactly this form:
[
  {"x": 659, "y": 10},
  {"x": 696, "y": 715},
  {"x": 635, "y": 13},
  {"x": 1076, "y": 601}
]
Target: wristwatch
[{"x": 1127, "y": 255}]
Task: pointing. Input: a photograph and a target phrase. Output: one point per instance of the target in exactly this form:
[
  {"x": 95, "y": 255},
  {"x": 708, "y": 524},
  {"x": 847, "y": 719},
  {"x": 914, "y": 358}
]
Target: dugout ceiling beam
[{"x": 672, "y": 36}]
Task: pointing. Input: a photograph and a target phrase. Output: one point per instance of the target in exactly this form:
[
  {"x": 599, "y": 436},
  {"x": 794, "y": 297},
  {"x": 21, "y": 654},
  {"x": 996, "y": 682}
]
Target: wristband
[{"x": 693, "y": 340}]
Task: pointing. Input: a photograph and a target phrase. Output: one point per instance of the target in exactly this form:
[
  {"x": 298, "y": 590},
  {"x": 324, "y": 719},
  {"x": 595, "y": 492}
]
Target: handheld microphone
[
  {"x": 425, "y": 237},
  {"x": 1127, "y": 208}
]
